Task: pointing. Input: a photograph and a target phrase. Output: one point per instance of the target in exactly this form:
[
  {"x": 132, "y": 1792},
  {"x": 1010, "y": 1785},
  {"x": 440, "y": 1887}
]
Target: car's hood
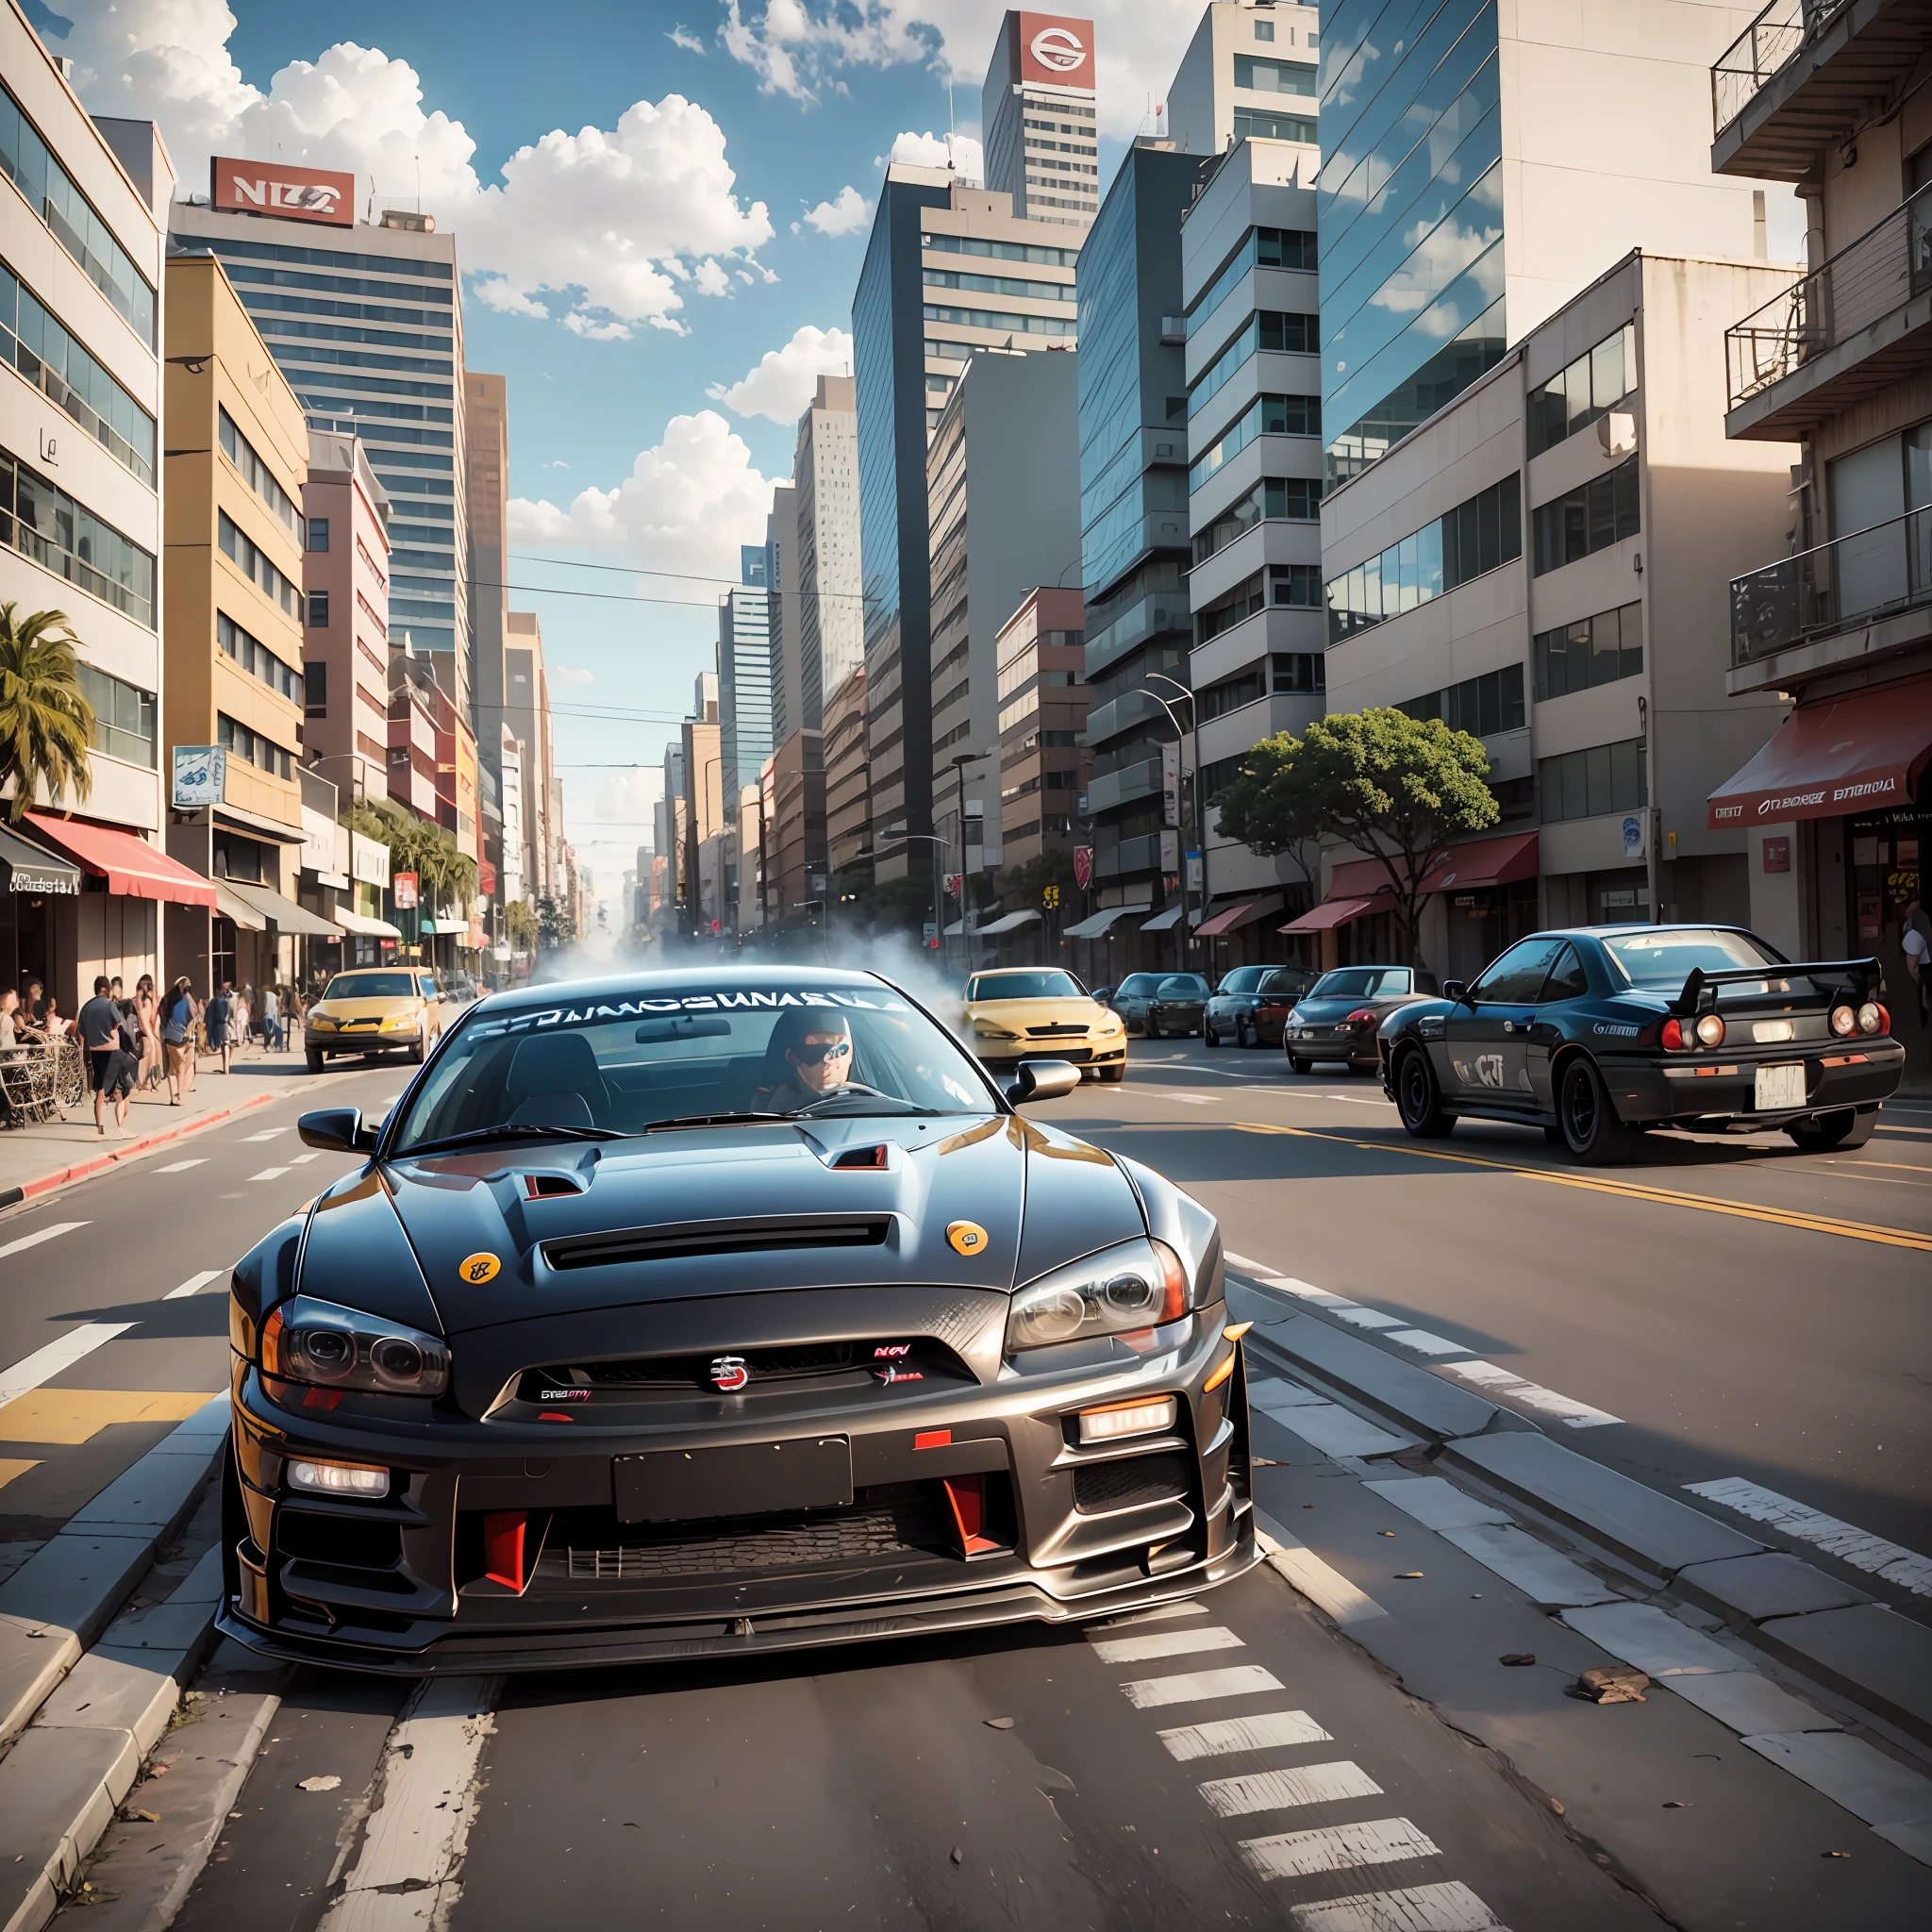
[
  {"x": 364, "y": 1009},
  {"x": 1340, "y": 1010},
  {"x": 1040, "y": 1198}
]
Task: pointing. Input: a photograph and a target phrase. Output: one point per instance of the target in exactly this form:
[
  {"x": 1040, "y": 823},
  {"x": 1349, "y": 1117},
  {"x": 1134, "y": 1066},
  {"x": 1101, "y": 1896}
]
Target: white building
[
  {"x": 825, "y": 613},
  {"x": 1037, "y": 116},
  {"x": 1249, "y": 72}
]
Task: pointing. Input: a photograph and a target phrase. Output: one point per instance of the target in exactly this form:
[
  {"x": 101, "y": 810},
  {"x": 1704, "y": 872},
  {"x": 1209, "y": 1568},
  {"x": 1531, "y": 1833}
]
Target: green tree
[
  {"x": 520, "y": 926},
  {"x": 46, "y": 723},
  {"x": 557, "y": 925},
  {"x": 1395, "y": 788}
]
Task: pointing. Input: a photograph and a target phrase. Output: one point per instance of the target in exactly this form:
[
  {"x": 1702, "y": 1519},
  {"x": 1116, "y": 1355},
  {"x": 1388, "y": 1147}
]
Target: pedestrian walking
[
  {"x": 1917, "y": 941},
  {"x": 99, "y": 1026},
  {"x": 178, "y": 1016},
  {"x": 10, "y": 1055},
  {"x": 32, "y": 1003},
  {"x": 219, "y": 1019},
  {"x": 147, "y": 1007},
  {"x": 123, "y": 1064},
  {"x": 270, "y": 1019},
  {"x": 243, "y": 1022}
]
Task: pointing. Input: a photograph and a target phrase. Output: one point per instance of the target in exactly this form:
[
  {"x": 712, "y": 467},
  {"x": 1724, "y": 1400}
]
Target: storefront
[
  {"x": 1242, "y": 933},
  {"x": 367, "y": 941},
  {"x": 1098, "y": 943},
  {"x": 31, "y": 881}
]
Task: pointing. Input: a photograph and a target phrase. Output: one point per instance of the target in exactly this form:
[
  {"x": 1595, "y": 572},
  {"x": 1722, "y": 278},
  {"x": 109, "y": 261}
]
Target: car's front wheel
[
  {"x": 1113, "y": 1076},
  {"x": 1419, "y": 1097},
  {"x": 316, "y": 1059},
  {"x": 418, "y": 1048},
  {"x": 1210, "y": 1038},
  {"x": 1591, "y": 1130},
  {"x": 1824, "y": 1132},
  {"x": 1297, "y": 1065}
]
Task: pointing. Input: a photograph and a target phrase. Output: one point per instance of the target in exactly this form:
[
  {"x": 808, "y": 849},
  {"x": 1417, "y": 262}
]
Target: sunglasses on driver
[{"x": 813, "y": 1056}]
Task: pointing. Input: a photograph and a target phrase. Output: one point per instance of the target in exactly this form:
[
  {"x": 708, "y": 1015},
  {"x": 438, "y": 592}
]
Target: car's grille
[
  {"x": 1104, "y": 1486},
  {"x": 855, "y": 1362},
  {"x": 889, "y": 1521},
  {"x": 1072, "y": 1029}
]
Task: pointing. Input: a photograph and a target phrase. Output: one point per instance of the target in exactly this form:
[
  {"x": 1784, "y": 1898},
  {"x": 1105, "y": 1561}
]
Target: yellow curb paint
[
  {"x": 11, "y": 1466},
  {"x": 78, "y": 1415}
]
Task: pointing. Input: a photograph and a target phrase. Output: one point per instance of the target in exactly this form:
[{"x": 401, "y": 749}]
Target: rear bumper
[{"x": 1724, "y": 1086}]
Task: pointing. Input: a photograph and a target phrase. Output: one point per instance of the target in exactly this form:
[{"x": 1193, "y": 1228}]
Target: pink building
[{"x": 345, "y": 649}]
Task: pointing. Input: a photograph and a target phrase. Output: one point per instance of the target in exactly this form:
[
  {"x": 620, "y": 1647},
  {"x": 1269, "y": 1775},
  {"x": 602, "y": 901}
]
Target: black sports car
[
  {"x": 1597, "y": 1033},
  {"x": 719, "y": 1310},
  {"x": 1251, "y": 1004},
  {"x": 1340, "y": 1016}
]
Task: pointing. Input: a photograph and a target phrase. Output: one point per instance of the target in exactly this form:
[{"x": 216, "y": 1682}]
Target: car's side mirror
[
  {"x": 336, "y": 1130},
  {"x": 1102, "y": 993},
  {"x": 1042, "y": 1081},
  {"x": 1454, "y": 990}
]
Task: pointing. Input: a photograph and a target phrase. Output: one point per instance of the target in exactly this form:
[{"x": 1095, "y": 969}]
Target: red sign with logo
[
  {"x": 1056, "y": 50},
  {"x": 294, "y": 194},
  {"x": 404, "y": 887},
  {"x": 486, "y": 879},
  {"x": 1083, "y": 866}
]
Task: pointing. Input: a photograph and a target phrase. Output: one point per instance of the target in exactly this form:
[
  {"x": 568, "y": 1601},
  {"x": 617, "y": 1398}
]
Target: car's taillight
[
  {"x": 1673, "y": 1036},
  {"x": 1844, "y": 1021},
  {"x": 1873, "y": 1017},
  {"x": 1710, "y": 1030}
]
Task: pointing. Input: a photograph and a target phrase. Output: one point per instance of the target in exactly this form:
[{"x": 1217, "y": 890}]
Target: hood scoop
[
  {"x": 545, "y": 1187},
  {"x": 685, "y": 1239}
]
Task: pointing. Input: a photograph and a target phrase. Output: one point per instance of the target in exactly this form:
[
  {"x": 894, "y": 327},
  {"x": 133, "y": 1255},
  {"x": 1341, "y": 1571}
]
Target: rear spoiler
[{"x": 1867, "y": 972}]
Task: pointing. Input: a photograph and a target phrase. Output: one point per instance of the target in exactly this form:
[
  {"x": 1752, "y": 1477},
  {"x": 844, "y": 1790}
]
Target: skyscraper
[
  {"x": 824, "y": 614},
  {"x": 1036, "y": 117},
  {"x": 1482, "y": 166},
  {"x": 744, "y": 678},
  {"x": 1250, "y": 71},
  {"x": 485, "y": 421}
]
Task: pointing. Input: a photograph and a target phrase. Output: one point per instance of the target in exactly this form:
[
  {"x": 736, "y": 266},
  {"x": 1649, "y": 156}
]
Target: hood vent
[
  {"x": 861, "y": 1156},
  {"x": 688, "y": 1239},
  {"x": 543, "y": 1186}
]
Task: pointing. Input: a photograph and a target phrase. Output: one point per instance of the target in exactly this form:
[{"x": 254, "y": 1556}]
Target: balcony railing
[
  {"x": 1757, "y": 53},
  {"x": 1882, "y": 269},
  {"x": 1870, "y": 573}
]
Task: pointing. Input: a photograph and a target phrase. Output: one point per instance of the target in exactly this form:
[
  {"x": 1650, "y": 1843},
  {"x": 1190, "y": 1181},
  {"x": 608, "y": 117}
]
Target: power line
[{"x": 638, "y": 570}]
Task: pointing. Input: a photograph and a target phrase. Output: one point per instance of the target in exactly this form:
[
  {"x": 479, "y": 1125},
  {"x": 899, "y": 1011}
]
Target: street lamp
[
  {"x": 898, "y": 835},
  {"x": 1200, "y": 829},
  {"x": 959, "y": 761}
]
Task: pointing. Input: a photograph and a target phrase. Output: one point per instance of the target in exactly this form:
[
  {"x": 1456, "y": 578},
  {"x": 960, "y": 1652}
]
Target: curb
[
  {"x": 87, "y": 1694},
  {"x": 1779, "y": 1605}
]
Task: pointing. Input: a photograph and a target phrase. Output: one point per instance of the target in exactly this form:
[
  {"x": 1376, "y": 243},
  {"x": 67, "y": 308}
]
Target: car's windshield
[
  {"x": 1663, "y": 959},
  {"x": 1242, "y": 979},
  {"x": 1023, "y": 986},
  {"x": 1286, "y": 979},
  {"x": 1138, "y": 983},
  {"x": 1362, "y": 983},
  {"x": 371, "y": 986},
  {"x": 626, "y": 1061},
  {"x": 1183, "y": 986}
]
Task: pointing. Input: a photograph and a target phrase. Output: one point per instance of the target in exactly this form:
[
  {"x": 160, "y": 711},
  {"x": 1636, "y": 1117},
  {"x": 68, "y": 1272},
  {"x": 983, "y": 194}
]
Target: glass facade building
[
  {"x": 744, "y": 680},
  {"x": 1410, "y": 216}
]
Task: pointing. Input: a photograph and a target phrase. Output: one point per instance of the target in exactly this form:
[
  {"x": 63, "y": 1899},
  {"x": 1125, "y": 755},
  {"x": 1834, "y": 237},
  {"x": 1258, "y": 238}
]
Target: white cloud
[
  {"x": 681, "y": 35},
  {"x": 844, "y": 214},
  {"x": 629, "y": 799},
  {"x": 959, "y": 151},
  {"x": 800, "y": 48},
  {"x": 686, "y": 505},
  {"x": 575, "y": 673},
  {"x": 786, "y": 379},
  {"x": 602, "y": 225}
]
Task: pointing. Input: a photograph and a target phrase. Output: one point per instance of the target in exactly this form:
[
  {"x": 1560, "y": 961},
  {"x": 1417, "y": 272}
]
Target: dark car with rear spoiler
[
  {"x": 1597, "y": 1033},
  {"x": 717, "y": 1311}
]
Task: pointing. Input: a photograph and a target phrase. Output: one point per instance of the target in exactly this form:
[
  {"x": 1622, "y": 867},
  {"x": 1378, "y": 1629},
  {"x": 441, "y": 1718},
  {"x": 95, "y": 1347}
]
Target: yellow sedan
[
  {"x": 379, "y": 1009},
  {"x": 1038, "y": 1012}
]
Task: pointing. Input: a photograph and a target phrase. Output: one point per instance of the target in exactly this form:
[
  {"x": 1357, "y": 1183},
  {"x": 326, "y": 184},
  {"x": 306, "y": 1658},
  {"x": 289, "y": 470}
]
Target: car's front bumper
[
  {"x": 1723, "y": 1083},
  {"x": 1327, "y": 1043},
  {"x": 1072, "y": 1533},
  {"x": 1108, "y": 1052}
]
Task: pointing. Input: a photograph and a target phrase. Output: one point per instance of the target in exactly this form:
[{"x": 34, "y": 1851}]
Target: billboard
[
  {"x": 201, "y": 776},
  {"x": 294, "y": 194},
  {"x": 1056, "y": 49}
]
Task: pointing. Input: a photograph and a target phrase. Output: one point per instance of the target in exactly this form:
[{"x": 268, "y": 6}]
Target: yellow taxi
[
  {"x": 1040, "y": 1012},
  {"x": 376, "y": 1010}
]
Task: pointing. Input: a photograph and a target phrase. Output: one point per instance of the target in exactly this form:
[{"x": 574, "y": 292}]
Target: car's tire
[
  {"x": 1419, "y": 1097},
  {"x": 418, "y": 1048},
  {"x": 1114, "y": 1076},
  {"x": 1210, "y": 1038},
  {"x": 1588, "y": 1117},
  {"x": 1246, "y": 1034},
  {"x": 1554, "y": 1135},
  {"x": 1297, "y": 1065},
  {"x": 1832, "y": 1132},
  {"x": 317, "y": 1059}
]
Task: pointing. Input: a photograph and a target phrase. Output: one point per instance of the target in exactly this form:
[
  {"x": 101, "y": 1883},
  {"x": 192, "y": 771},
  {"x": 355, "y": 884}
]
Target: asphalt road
[{"x": 1721, "y": 1310}]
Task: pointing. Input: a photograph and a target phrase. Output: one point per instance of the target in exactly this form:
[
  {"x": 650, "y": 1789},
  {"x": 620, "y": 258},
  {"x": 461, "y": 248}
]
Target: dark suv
[{"x": 1251, "y": 1004}]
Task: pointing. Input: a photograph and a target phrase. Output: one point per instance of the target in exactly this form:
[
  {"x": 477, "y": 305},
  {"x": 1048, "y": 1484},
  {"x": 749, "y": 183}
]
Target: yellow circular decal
[
  {"x": 967, "y": 1237},
  {"x": 477, "y": 1268}
]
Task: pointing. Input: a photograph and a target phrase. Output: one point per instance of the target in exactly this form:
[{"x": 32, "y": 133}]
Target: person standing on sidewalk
[
  {"x": 270, "y": 1019},
  {"x": 99, "y": 1026},
  {"x": 146, "y": 1008},
  {"x": 1916, "y": 939},
  {"x": 10, "y": 1051},
  {"x": 178, "y": 1015},
  {"x": 218, "y": 1016}
]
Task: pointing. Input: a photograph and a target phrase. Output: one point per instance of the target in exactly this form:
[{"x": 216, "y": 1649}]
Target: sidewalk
[{"x": 39, "y": 1158}]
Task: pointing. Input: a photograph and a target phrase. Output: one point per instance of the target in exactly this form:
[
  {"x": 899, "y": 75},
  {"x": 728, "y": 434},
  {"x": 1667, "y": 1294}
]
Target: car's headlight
[
  {"x": 1137, "y": 1285},
  {"x": 397, "y": 1022},
  {"x": 318, "y": 1344},
  {"x": 986, "y": 1030},
  {"x": 320, "y": 1019}
]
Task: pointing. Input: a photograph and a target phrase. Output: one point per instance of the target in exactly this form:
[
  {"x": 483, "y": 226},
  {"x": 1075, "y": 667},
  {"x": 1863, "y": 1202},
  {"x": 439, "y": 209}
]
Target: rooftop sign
[{"x": 294, "y": 194}]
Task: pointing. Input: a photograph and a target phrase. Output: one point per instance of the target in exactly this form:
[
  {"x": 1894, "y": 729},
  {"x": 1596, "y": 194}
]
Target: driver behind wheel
[{"x": 817, "y": 1046}]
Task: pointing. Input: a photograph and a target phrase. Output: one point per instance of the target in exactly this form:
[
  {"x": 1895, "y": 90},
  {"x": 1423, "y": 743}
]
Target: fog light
[
  {"x": 1128, "y": 1419},
  {"x": 338, "y": 1479},
  {"x": 1710, "y": 1031}
]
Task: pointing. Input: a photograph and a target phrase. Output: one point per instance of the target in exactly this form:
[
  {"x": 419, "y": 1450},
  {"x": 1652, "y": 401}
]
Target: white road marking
[
  {"x": 1451, "y": 1907},
  {"x": 268, "y": 1173},
  {"x": 182, "y": 1166},
  {"x": 1849, "y": 1544},
  {"x": 1228, "y": 1735},
  {"x": 266, "y": 1134},
  {"x": 1195, "y": 1687},
  {"x": 44, "y": 1234},
  {"x": 30, "y": 1371},
  {"x": 1492, "y": 1380},
  {"x": 301, "y": 1160},
  {"x": 1157, "y": 1614},
  {"x": 1339, "y": 1848},
  {"x": 404, "y": 1877},
  {"x": 1426, "y": 1343},
  {"x": 1325, "y": 1588},
  {"x": 1359, "y": 1317},
  {"x": 194, "y": 1284},
  {"x": 1275, "y": 1791},
  {"x": 1192, "y": 1099},
  {"x": 1894, "y": 1801},
  {"x": 1136, "y": 1650},
  {"x": 1648, "y": 1638}
]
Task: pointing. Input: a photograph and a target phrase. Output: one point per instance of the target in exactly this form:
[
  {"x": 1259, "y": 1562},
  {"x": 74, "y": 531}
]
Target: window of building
[
  {"x": 1267, "y": 415},
  {"x": 36, "y": 343},
  {"x": 251, "y": 747},
  {"x": 255, "y": 657},
  {"x": 1257, "y": 123},
  {"x": 1588, "y": 519},
  {"x": 1231, "y": 607},
  {"x": 1592, "y": 651},
  {"x": 1588, "y": 784},
  {"x": 1298, "y": 674},
  {"x": 997, "y": 285},
  {"x": 1000, "y": 251},
  {"x": 1275, "y": 329},
  {"x": 1476, "y": 536},
  {"x": 1591, "y": 387},
  {"x": 1012, "y": 325},
  {"x": 315, "y": 688},
  {"x": 1261, "y": 75},
  {"x": 27, "y": 162},
  {"x": 1294, "y": 499},
  {"x": 1297, "y": 583},
  {"x": 1480, "y": 706},
  {"x": 46, "y": 525},
  {"x": 241, "y": 551},
  {"x": 318, "y": 533},
  {"x": 1264, "y": 29},
  {"x": 124, "y": 717},
  {"x": 258, "y": 475},
  {"x": 318, "y": 611},
  {"x": 1257, "y": 248}
]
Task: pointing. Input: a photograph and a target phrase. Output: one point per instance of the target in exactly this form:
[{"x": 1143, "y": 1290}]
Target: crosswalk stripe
[
  {"x": 194, "y": 1284},
  {"x": 269, "y": 1174},
  {"x": 1451, "y": 1907},
  {"x": 45, "y": 1363},
  {"x": 1274, "y": 1791},
  {"x": 1195, "y": 1687},
  {"x": 1134, "y": 1650},
  {"x": 1338, "y": 1848},
  {"x": 266, "y": 1134},
  {"x": 302, "y": 1159},
  {"x": 182, "y": 1166},
  {"x": 1844, "y": 1540},
  {"x": 39, "y": 1235},
  {"x": 1225, "y": 1736}
]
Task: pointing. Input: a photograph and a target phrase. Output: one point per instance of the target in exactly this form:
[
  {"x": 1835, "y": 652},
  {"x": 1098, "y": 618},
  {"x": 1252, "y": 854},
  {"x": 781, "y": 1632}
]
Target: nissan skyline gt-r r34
[
  {"x": 1597, "y": 1033},
  {"x": 717, "y": 1311}
]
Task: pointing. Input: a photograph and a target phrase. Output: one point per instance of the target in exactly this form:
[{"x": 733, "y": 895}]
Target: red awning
[
  {"x": 1483, "y": 862},
  {"x": 1235, "y": 917},
  {"x": 1850, "y": 754},
  {"x": 1331, "y": 913},
  {"x": 131, "y": 867},
  {"x": 1360, "y": 878}
]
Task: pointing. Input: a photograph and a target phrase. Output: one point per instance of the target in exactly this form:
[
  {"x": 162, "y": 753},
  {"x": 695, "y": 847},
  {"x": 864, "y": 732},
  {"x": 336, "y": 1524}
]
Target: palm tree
[{"x": 46, "y": 723}]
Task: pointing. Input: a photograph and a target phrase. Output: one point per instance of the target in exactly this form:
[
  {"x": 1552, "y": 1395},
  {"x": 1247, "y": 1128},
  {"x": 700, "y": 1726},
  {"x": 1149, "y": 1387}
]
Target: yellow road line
[
  {"x": 1633, "y": 1191},
  {"x": 11, "y": 1466},
  {"x": 78, "y": 1415}
]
